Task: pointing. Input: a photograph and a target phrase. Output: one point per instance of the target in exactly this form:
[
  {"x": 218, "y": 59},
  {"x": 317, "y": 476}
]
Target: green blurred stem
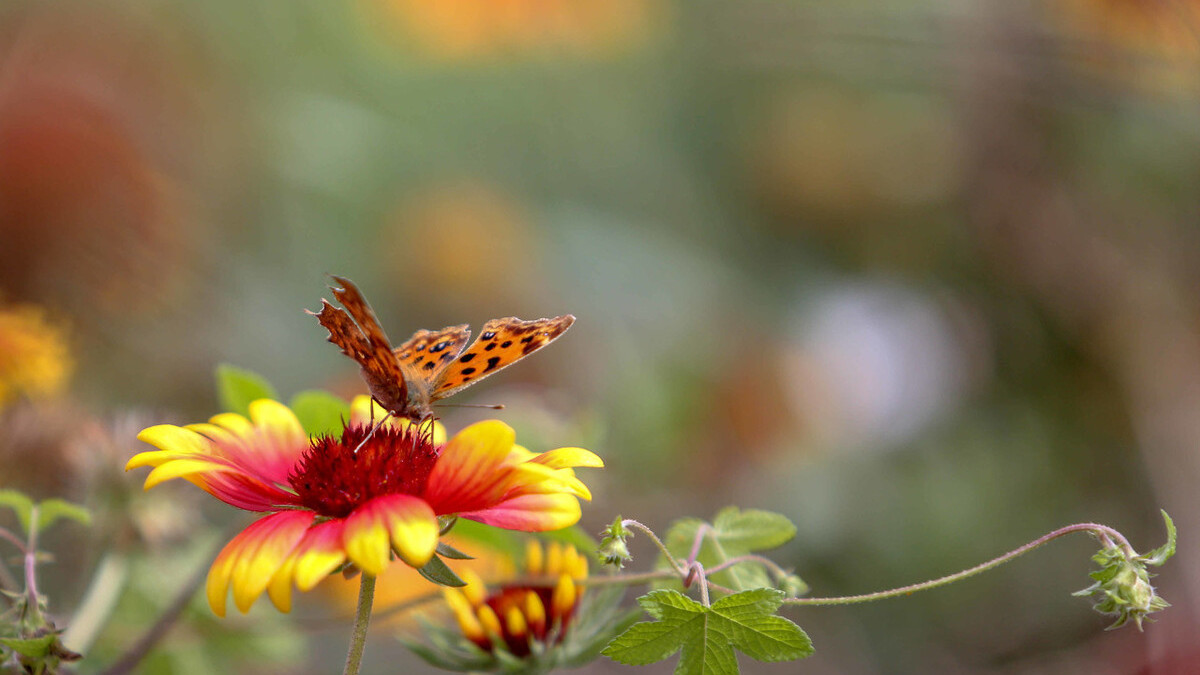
[
  {"x": 1106, "y": 534},
  {"x": 98, "y": 603},
  {"x": 130, "y": 660},
  {"x": 358, "y": 640},
  {"x": 31, "y": 593}
]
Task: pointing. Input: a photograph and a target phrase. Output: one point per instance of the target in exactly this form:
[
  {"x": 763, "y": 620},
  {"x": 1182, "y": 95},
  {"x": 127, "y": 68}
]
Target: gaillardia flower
[
  {"x": 358, "y": 497},
  {"x": 534, "y": 624}
]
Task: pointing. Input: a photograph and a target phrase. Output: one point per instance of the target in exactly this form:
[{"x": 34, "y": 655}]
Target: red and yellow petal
[
  {"x": 251, "y": 559},
  {"x": 465, "y": 475},
  {"x": 530, "y": 513},
  {"x": 315, "y": 557},
  {"x": 397, "y": 522},
  {"x": 239, "y": 461}
]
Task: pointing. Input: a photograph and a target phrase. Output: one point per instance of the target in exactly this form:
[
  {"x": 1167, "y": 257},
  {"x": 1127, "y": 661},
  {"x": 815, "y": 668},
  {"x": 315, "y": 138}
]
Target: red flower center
[{"x": 336, "y": 476}]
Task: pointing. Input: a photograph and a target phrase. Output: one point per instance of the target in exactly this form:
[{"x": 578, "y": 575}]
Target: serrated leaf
[
  {"x": 52, "y": 510},
  {"x": 708, "y": 636},
  {"x": 237, "y": 387},
  {"x": 21, "y": 504},
  {"x": 447, "y": 551},
  {"x": 320, "y": 412},
  {"x": 1161, "y": 554},
  {"x": 439, "y": 573},
  {"x": 733, "y": 533}
]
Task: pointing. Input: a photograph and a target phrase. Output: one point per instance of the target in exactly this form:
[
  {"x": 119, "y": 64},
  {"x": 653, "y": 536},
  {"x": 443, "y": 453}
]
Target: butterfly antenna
[{"x": 489, "y": 406}]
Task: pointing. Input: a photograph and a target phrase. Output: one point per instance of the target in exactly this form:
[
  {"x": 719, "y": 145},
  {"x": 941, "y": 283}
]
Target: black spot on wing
[
  {"x": 467, "y": 357},
  {"x": 490, "y": 347},
  {"x": 492, "y": 363},
  {"x": 506, "y": 344},
  {"x": 468, "y": 371},
  {"x": 430, "y": 365}
]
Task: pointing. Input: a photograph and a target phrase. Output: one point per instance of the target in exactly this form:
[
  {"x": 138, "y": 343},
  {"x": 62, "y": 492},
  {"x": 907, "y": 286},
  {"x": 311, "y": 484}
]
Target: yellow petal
[
  {"x": 562, "y": 458},
  {"x": 175, "y": 439},
  {"x": 236, "y": 424},
  {"x": 182, "y": 468},
  {"x": 277, "y": 418},
  {"x": 367, "y": 541}
]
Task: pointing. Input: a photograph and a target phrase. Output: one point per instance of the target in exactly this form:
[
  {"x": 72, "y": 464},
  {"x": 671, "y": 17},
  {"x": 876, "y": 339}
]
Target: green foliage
[
  {"x": 733, "y": 533},
  {"x": 41, "y": 654},
  {"x": 447, "y": 551},
  {"x": 708, "y": 635},
  {"x": 319, "y": 412},
  {"x": 52, "y": 510},
  {"x": 21, "y": 504},
  {"x": 1161, "y": 554},
  {"x": 437, "y": 571},
  {"x": 236, "y": 388},
  {"x": 614, "y": 549},
  {"x": 1122, "y": 584},
  {"x": 48, "y": 511}
]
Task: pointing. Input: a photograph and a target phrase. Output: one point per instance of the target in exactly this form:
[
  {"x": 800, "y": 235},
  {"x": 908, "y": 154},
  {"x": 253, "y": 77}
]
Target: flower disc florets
[{"x": 337, "y": 475}]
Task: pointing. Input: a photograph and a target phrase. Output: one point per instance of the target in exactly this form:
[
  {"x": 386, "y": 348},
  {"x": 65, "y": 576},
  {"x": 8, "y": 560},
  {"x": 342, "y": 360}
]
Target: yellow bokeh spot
[{"x": 35, "y": 361}]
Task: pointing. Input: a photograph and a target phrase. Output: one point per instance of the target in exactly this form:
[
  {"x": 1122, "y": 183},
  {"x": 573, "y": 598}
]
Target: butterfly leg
[{"x": 371, "y": 433}]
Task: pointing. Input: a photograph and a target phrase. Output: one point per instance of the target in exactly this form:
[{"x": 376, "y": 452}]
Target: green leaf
[
  {"x": 752, "y": 529},
  {"x": 733, "y": 533},
  {"x": 52, "y": 510},
  {"x": 33, "y": 648},
  {"x": 20, "y": 503},
  {"x": 236, "y": 388},
  {"x": 708, "y": 636},
  {"x": 447, "y": 551},
  {"x": 1161, "y": 554},
  {"x": 439, "y": 573},
  {"x": 320, "y": 412}
]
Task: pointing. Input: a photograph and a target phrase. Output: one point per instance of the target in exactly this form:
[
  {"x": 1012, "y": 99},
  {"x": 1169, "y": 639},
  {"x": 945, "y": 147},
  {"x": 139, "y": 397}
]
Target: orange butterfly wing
[
  {"x": 501, "y": 343},
  {"x": 363, "y": 340},
  {"x": 408, "y": 379},
  {"x": 427, "y": 353}
]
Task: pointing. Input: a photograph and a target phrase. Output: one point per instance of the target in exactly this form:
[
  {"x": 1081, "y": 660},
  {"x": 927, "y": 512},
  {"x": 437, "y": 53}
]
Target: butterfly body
[{"x": 407, "y": 380}]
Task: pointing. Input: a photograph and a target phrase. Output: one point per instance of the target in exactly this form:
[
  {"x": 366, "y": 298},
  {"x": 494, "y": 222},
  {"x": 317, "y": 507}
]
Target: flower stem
[
  {"x": 1102, "y": 532},
  {"x": 631, "y": 523},
  {"x": 358, "y": 640}
]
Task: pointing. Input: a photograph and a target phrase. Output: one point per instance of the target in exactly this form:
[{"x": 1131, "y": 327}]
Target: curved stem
[
  {"x": 765, "y": 562},
  {"x": 679, "y": 569},
  {"x": 358, "y": 639},
  {"x": 1104, "y": 532},
  {"x": 14, "y": 539}
]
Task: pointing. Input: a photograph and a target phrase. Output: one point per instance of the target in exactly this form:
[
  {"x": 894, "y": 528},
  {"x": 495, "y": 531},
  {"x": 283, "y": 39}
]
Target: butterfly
[{"x": 431, "y": 365}]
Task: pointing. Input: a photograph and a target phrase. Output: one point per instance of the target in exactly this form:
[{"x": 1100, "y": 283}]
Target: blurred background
[{"x": 923, "y": 276}]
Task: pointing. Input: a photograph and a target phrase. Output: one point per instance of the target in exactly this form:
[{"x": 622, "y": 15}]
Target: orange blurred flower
[
  {"x": 35, "y": 361},
  {"x": 471, "y": 29},
  {"x": 1157, "y": 26}
]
